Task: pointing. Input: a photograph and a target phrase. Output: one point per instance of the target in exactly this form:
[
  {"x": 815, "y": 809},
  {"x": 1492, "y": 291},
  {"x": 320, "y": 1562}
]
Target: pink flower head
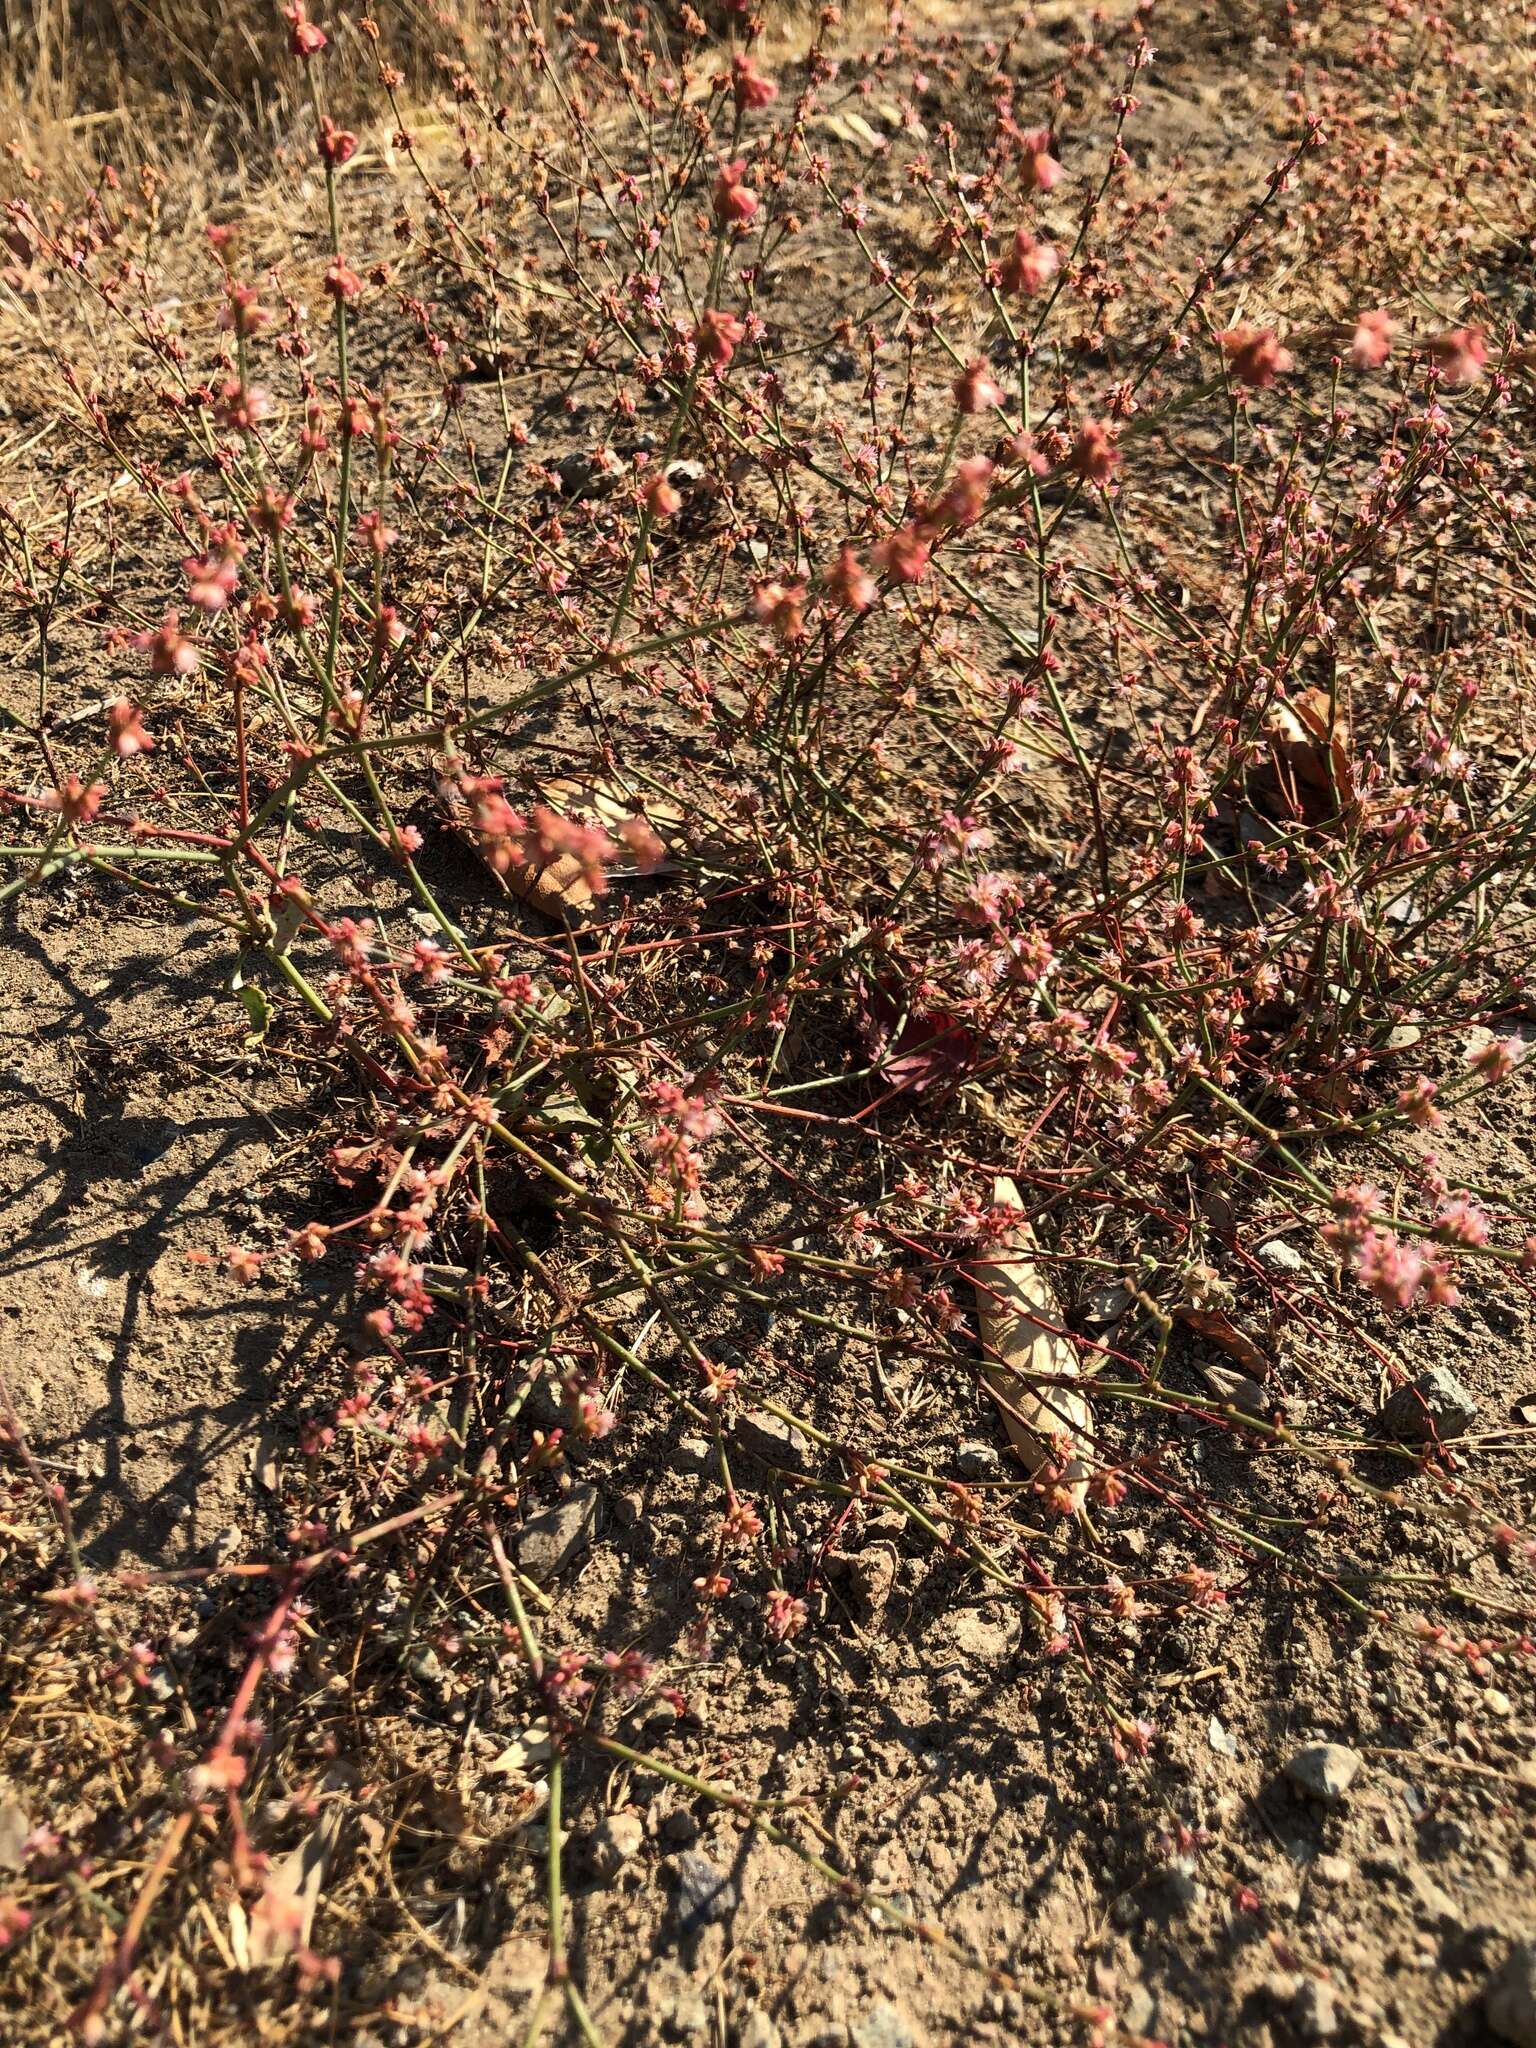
[
  {"x": 781, "y": 606},
  {"x": 849, "y": 583},
  {"x": 343, "y": 282},
  {"x": 244, "y": 313},
  {"x": 125, "y": 732},
  {"x": 1372, "y": 342},
  {"x": 170, "y": 652},
  {"x": 976, "y": 390},
  {"x": 1038, "y": 169},
  {"x": 735, "y": 201},
  {"x": 75, "y": 801},
  {"x": 965, "y": 496},
  {"x": 213, "y": 578},
  {"x": 748, "y": 86},
  {"x": 1391, "y": 1270},
  {"x": 663, "y": 500},
  {"x": 639, "y": 836},
  {"x": 1255, "y": 355},
  {"x": 1497, "y": 1060},
  {"x": 1094, "y": 457},
  {"x": 304, "y": 38},
  {"x": 1459, "y": 354},
  {"x": 717, "y": 336},
  {"x": 903, "y": 554},
  {"x": 337, "y": 145},
  {"x": 1461, "y": 1221},
  {"x": 1029, "y": 265}
]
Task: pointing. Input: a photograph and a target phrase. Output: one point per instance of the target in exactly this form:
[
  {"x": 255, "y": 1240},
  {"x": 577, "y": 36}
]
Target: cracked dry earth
[{"x": 1235, "y": 1886}]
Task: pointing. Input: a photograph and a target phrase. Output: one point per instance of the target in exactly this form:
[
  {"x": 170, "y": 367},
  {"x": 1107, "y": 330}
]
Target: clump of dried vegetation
[{"x": 956, "y": 863}]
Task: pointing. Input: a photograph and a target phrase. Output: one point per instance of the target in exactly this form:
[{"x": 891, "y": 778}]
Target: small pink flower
[
  {"x": 1391, "y": 1270},
  {"x": 718, "y": 336},
  {"x": 343, "y": 282},
  {"x": 849, "y": 583},
  {"x": 1459, "y": 354},
  {"x": 735, "y": 201},
  {"x": 304, "y": 38},
  {"x": 75, "y": 801},
  {"x": 1417, "y": 1104},
  {"x": 1094, "y": 457},
  {"x": 1498, "y": 1060},
  {"x": 965, "y": 496},
  {"x": 125, "y": 732},
  {"x": 663, "y": 500},
  {"x": 1255, "y": 355},
  {"x": 1029, "y": 265},
  {"x": 1372, "y": 342},
  {"x": 170, "y": 652},
  {"x": 639, "y": 836},
  {"x": 1038, "y": 169},
  {"x": 337, "y": 145},
  {"x": 749, "y": 88},
  {"x": 244, "y": 313},
  {"x": 976, "y": 390},
  {"x": 781, "y": 606},
  {"x": 1461, "y": 1221},
  {"x": 903, "y": 554}
]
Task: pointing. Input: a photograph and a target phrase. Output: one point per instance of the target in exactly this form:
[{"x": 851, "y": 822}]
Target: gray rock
[
  {"x": 1510, "y": 1999},
  {"x": 884, "y": 2027},
  {"x": 762, "y": 1435},
  {"x": 704, "y": 1891},
  {"x": 1313, "y": 2011},
  {"x": 1236, "y": 1390},
  {"x": 547, "y": 1542},
  {"x": 1435, "y": 1902},
  {"x": 1279, "y": 1257},
  {"x": 15, "y": 1826},
  {"x": 1436, "y": 1404},
  {"x": 1138, "y": 2010},
  {"x": 614, "y": 1841},
  {"x": 685, "y": 2016},
  {"x": 976, "y": 1461},
  {"x": 1324, "y": 1770}
]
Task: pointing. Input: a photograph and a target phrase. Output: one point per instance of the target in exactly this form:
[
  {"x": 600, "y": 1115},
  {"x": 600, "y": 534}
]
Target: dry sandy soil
[{"x": 1201, "y": 1891}]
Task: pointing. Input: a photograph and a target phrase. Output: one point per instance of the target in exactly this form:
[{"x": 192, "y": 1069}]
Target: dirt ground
[{"x": 964, "y": 1776}]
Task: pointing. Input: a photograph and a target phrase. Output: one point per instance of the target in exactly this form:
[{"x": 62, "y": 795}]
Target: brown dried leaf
[
  {"x": 1220, "y": 1329},
  {"x": 1028, "y": 1362},
  {"x": 284, "y": 1916},
  {"x": 1311, "y": 746}
]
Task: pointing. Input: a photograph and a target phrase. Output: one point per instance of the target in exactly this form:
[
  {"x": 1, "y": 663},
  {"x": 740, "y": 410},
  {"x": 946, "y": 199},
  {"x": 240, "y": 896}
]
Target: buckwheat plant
[{"x": 733, "y": 662}]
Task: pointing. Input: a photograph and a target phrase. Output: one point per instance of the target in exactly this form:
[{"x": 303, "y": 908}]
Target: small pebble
[
  {"x": 614, "y": 1841},
  {"x": 1324, "y": 1770},
  {"x": 1436, "y": 1404},
  {"x": 1279, "y": 1257},
  {"x": 704, "y": 1891}
]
